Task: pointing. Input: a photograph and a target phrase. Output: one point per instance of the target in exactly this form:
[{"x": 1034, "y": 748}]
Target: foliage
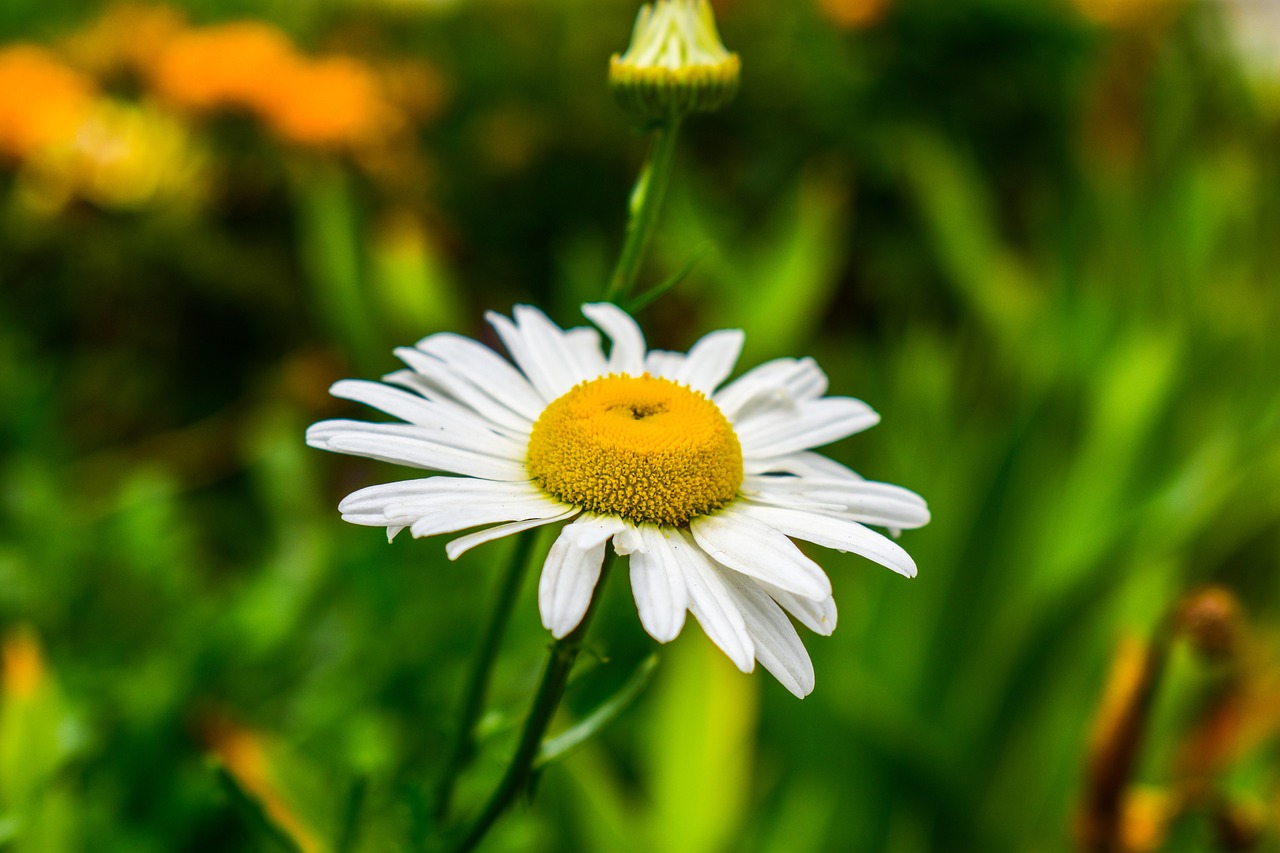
[{"x": 1039, "y": 239}]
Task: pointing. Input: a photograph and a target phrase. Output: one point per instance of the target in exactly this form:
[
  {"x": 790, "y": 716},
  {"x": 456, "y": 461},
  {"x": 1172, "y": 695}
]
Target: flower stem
[
  {"x": 646, "y": 200},
  {"x": 481, "y": 671},
  {"x": 554, "y": 678}
]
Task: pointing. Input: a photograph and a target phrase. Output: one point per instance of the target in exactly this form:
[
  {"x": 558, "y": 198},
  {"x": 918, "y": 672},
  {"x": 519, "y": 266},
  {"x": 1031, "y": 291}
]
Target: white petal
[
  {"x": 486, "y": 370},
  {"x": 758, "y": 550},
  {"x": 460, "y": 412},
  {"x": 629, "y": 541},
  {"x": 864, "y": 501},
  {"x": 835, "y": 533},
  {"x": 570, "y": 573},
  {"x": 812, "y": 423},
  {"x": 457, "y": 547},
  {"x": 431, "y": 522},
  {"x": 711, "y": 360},
  {"x": 817, "y": 616},
  {"x": 542, "y": 350},
  {"x": 444, "y": 504},
  {"x": 441, "y": 379},
  {"x": 803, "y": 464},
  {"x": 777, "y": 645},
  {"x": 658, "y": 584},
  {"x": 786, "y": 380},
  {"x": 663, "y": 364},
  {"x": 627, "y": 354},
  {"x": 585, "y": 343},
  {"x": 443, "y": 490},
  {"x": 380, "y": 441},
  {"x": 712, "y": 604},
  {"x": 450, "y": 425}
]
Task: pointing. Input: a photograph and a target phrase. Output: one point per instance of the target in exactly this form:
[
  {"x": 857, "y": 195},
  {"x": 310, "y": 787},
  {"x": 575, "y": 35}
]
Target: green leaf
[
  {"x": 647, "y": 298},
  {"x": 556, "y": 748}
]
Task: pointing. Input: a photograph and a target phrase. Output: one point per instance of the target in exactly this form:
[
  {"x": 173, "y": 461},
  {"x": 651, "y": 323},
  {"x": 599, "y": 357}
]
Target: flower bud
[{"x": 676, "y": 63}]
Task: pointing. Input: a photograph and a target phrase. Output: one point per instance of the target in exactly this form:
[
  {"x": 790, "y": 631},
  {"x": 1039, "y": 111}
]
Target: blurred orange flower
[
  {"x": 333, "y": 102},
  {"x": 21, "y": 665},
  {"x": 42, "y": 101},
  {"x": 229, "y": 65},
  {"x": 330, "y": 102},
  {"x": 853, "y": 14},
  {"x": 246, "y": 755}
]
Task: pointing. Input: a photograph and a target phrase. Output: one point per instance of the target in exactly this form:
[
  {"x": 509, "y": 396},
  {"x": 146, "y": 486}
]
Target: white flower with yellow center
[{"x": 702, "y": 484}]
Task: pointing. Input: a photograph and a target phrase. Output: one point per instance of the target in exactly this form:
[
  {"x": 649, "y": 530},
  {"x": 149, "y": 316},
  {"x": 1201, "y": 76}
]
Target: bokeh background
[{"x": 1041, "y": 238}]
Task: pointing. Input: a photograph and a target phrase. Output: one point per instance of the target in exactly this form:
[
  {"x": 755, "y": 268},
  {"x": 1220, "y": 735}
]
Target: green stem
[
  {"x": 481, "y": 672},
  {"x": 554, "y": 678},
  {"x": 646, "y": 200}
]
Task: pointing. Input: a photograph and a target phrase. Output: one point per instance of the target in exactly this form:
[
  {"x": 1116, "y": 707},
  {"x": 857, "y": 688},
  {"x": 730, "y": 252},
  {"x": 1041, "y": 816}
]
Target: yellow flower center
[{"x": 637, "y": 447}]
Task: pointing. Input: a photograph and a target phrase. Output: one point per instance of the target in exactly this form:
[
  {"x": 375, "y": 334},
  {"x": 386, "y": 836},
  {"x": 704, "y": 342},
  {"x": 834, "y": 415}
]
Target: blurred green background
[{"x": 1040, "y": 238}]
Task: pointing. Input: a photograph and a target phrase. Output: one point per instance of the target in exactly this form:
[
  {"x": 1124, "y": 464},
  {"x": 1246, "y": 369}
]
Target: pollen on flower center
[{"x": 642, "y": 448}]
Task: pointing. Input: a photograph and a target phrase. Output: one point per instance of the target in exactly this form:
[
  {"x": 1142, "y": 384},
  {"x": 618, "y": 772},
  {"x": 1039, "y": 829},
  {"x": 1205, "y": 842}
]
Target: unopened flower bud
[{"x": 676, "y": 63}]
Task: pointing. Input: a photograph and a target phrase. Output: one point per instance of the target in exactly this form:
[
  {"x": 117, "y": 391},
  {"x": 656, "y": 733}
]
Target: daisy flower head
[{"x": 701, "y": 483}]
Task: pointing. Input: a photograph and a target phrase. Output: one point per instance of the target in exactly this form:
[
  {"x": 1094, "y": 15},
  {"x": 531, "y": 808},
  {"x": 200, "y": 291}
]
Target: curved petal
[
  {"x": 803, "y": 464},
  {"x": 455, "y": 548},
  {"x": 863, "y": 501},
  {"x": 812, "y": 423},
  {"x": 835, "y": 533},
  {"x": 817, "y": 616},
  {"x": 757, "y": 550},
  {"x": 445, "y": 424},
  {"x": 441, "y": 400},
  {"x": 784, "y": 381},
  {"x": 486, "y": 370},
  {"x": 658, "y": 584},
  {"x": 571, "y": 571},
  {"x": 542, "y": 350},
  {"x": 711, "y": 360},
  {"x": 399, "y": 445},
  {"x": 627, "y": 354},
  {"x": 777, "y": 645},
  {"x": 444, "y": 504},
  {"x": 712, "y": 604},
  {"x": 663, "y": 364},
  {"x": 585, "y": 343},
  {"x": 440, "y": 378}
]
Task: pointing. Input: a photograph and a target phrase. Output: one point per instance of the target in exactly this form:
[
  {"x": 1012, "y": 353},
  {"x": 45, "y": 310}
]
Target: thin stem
[
  {"x": 646, "y": 200},
  {"x": 554, "y": 678},
  {"x": 481, "y": 671}
]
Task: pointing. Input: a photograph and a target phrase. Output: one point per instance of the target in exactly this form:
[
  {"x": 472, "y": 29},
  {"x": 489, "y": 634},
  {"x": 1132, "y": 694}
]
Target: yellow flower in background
[
  {"x": 230, "y": 65},
  {"x": 42, "y": 101},
  {"x": 124, "y": 156},
  {"x": 702, "y": 483},
  {"x": 333, "y": 102}
]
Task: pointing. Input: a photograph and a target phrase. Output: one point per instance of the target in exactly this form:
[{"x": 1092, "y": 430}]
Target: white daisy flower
[{"x": 703, "y": 484}]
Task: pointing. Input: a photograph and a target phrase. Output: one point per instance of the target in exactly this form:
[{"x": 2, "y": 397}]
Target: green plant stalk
[
  {"x": 482, "y": 671},
  {"x": 550, "y": 690},
  {"x": 330, "y": 249},
  {"x": 646, "y": 201}
]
